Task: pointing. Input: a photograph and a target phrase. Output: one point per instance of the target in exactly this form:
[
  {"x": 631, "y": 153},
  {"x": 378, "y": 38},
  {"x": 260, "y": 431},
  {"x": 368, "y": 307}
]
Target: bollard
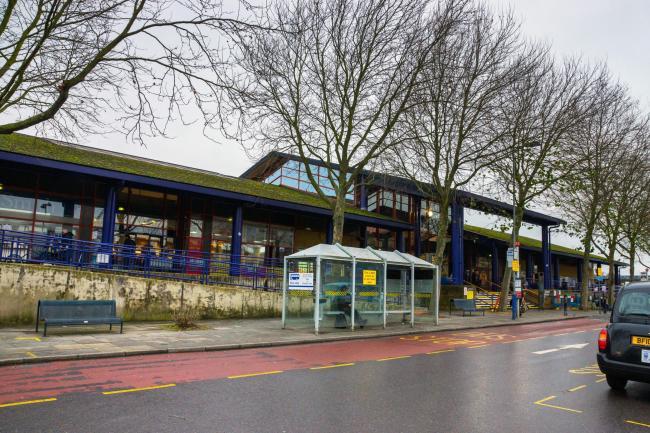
[{"x": 515, "y": 306}]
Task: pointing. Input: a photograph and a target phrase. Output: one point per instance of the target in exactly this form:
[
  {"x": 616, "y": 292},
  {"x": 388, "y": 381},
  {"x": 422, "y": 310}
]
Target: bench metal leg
[
  {"x": 110, "y": 326},
  {"x": 45, "y": 329},
  {"x": 121, "y": 324}
]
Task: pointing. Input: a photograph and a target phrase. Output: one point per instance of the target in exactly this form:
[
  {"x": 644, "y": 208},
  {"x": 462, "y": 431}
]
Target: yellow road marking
[
  {"x": 394, "y": 357},
  {"x": 543, "y": 401},
  {"x": 440, "y": 351},
  {"x": 577, "y": 388},
  {"x": 20, "y": 403},
  {"x": 629, "y": 421},
  {"x": 240, "y": 376},
  {"x": 332, "y": 366},
  {"x": 31, "y": 354},
  {"x": 146, "y": 388},
  {"x": 513, "y": 341},
  {"x": 601, "y": 380},
  {"x": 476, "y": 347},
  {"x": 28, "y": 338}
]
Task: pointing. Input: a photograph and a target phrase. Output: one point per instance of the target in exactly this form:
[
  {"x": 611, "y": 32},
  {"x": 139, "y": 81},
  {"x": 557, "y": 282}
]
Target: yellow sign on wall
[
  {"x": 515, "y": 266},
  {"x": 369, "y": 277}
]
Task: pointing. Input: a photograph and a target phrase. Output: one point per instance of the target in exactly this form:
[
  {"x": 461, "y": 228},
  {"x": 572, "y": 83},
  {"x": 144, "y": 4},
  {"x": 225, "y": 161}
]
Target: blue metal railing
[{"x": 183, "y": 265}]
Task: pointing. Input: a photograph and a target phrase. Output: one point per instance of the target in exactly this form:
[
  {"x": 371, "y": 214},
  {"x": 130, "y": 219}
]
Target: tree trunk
[
  {"x": 507, "y": 273},
  {"x": 632, "y": 258},
  {"x": 441, "y": 238},
  {"x": 586, "y": 269},
  {"x": 338, "y": 219},
  {"x": 611, "y": 279}
]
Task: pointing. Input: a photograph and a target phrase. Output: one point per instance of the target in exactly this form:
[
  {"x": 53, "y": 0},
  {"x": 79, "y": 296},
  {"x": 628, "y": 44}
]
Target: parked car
[{"x": 624, "y": 345}]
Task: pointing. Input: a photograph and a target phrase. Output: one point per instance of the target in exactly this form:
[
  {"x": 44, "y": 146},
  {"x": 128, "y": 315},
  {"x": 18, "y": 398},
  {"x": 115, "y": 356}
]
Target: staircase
[{"x": 489, "y": 300}]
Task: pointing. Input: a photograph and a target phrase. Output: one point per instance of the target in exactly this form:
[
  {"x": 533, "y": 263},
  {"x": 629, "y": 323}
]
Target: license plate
[
  {"x": 645, "y": 356},
  {"x": 641, "y": 341}
]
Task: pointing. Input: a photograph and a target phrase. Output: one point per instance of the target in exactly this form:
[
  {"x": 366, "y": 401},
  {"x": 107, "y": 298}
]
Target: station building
[{"x": 271, "y": 211}]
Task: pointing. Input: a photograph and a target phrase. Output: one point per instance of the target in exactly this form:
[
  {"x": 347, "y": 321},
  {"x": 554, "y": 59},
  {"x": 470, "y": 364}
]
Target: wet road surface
[{"x": 526, "y": 378}]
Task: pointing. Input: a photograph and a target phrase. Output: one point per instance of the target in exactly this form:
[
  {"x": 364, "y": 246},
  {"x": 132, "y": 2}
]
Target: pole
[{"x": 515, "y": 303}]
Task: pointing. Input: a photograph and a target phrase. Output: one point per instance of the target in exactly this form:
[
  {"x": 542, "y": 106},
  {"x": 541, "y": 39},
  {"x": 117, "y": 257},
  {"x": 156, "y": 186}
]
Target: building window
[
  {"x": 293, "y": 174},
  {"x": 267, "y": 241},
  {"x": 149, "y": 218},
  {"x": 390, "y": 203}
]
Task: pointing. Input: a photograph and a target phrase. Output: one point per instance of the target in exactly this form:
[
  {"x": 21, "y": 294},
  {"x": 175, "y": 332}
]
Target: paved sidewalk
[{"x": 23, "y": 345}]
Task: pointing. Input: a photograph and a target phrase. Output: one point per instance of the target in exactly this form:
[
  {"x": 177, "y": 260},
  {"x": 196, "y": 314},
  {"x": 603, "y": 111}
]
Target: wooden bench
[
  {"x": 465, "y": 305},
  {"x": 61, "y": 313}
]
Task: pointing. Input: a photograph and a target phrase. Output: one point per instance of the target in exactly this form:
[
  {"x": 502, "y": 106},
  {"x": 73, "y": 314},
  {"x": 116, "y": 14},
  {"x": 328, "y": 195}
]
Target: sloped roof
[
  {"x": 527, "y": 242},
  {"x": 91, "y": 157}
]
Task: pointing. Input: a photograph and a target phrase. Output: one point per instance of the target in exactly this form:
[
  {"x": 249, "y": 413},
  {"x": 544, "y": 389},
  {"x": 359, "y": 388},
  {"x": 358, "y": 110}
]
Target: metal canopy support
[
  {"x": 385, "y": 291},
  {"x": 353, "y": 282},
  {"x": 285, "y": 276},
  {"x": 412, "y": 287},
  {"x": 317, "y": 288}
]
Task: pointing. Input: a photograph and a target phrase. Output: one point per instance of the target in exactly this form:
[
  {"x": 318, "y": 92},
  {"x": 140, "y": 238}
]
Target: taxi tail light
[{"x": 602, "y": 340}]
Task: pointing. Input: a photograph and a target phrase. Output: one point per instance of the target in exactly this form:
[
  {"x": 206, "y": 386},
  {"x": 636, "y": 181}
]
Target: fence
[{"x": 182, "y": 265}]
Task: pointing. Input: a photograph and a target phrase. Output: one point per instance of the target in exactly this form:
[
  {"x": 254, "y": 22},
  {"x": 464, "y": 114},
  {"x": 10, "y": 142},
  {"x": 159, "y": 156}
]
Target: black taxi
[{"x": 624, "y": 345}]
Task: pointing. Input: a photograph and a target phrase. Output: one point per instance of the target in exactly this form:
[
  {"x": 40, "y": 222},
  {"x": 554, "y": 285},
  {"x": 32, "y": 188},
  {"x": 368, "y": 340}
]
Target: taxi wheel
[{"x": 616, "y": 383}]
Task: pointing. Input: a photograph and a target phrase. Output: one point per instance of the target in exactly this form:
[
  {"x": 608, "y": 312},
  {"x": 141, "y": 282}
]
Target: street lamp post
[{"x": 515, "y": 247}]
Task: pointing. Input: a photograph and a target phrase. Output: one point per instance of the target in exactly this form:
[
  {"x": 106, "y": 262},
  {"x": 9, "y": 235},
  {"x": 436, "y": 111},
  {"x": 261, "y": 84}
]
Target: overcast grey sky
[{"x": 615, "y": 31}]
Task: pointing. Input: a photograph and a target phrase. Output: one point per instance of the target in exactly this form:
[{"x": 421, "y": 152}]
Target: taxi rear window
[{"x": 634, "y": 303}]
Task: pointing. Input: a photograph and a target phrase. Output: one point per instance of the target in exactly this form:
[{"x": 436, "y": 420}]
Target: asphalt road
[{"x": 488, "y": 380}]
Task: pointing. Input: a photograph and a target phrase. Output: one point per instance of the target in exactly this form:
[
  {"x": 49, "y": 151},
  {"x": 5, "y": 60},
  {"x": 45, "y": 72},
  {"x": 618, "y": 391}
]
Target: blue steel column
[
  {"x": 579, "y": 264},
  {"x": 363, "y": 193},
  {"x": 546, "y": 258},
  {"x": 457, "y": 254},
  {"x": 235, "y": 250},
  {"x": 418, "y": 210},
  {"x": 329, "y": 234},
  {"x": 495, "y": 265},
  {"x": 556, "y": 271},
  {"x": 108, "y": 224},
  {"x": 108, "y": 227}
]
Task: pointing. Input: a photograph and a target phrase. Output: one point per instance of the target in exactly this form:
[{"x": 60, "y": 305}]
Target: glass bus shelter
[{"x": 333, "y": 287}]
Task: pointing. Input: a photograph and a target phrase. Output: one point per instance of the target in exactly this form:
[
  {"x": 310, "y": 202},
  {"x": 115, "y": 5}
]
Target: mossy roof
[
  {"x": 528, "y": 242},
  {"x": 75, "y": 154}
]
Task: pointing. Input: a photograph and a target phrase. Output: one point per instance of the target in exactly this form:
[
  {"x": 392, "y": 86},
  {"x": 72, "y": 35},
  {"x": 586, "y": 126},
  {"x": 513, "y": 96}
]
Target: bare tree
[
  {"x": 626, "y": 189},
  {"x": 541, "y": 111},
  {"x": 595, "y": 152},
  {"x": 449, "y": 134},
  {"x": 636, "y": 216},
  {"x": 335, "y": 79},
  {"x": 68, "y": 64}
]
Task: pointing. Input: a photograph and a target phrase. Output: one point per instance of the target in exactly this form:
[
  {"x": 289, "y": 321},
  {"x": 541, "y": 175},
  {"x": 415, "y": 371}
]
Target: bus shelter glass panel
[
  {"x": 369, "y": 299},
  {"x": 336, "y": 294},
  {"x": 398, "y": 294},
  {"x": 299, "y": 294},
  {"x": 426, "y": 290}
]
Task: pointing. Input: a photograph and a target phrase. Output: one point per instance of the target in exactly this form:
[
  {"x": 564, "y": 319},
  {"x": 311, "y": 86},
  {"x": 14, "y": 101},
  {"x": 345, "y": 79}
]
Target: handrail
[{"x": 199, "y": 266}]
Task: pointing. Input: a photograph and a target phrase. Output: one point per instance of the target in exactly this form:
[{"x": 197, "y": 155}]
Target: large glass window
[
  {"x": 293, "y": 174},
  {"x": 146, "y": 217},
  {"x": 52, "y": 204},
  {"x": 269, "y": 241},
  {"x": 221, "y": 235}
]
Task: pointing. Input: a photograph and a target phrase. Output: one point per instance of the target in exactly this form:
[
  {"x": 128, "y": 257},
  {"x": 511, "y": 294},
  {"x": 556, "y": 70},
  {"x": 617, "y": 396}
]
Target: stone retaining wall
[{"x": 21, "y": 286}]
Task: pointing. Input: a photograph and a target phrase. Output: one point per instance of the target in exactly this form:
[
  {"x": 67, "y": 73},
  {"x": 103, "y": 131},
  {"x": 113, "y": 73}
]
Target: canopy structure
[{"x": 338, "y": 287}]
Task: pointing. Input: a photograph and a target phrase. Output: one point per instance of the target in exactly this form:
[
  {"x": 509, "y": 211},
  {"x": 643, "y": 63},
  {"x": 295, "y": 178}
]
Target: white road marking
[{"x": 565, "y": 347}]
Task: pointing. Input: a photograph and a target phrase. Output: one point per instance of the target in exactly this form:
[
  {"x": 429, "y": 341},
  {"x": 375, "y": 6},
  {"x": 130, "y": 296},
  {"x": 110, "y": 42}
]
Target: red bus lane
[{"x": 49, "y": 380}]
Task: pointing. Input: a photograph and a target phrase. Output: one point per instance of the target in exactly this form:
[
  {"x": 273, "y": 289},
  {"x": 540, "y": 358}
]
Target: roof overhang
[{"x": 118, "y": 176}]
